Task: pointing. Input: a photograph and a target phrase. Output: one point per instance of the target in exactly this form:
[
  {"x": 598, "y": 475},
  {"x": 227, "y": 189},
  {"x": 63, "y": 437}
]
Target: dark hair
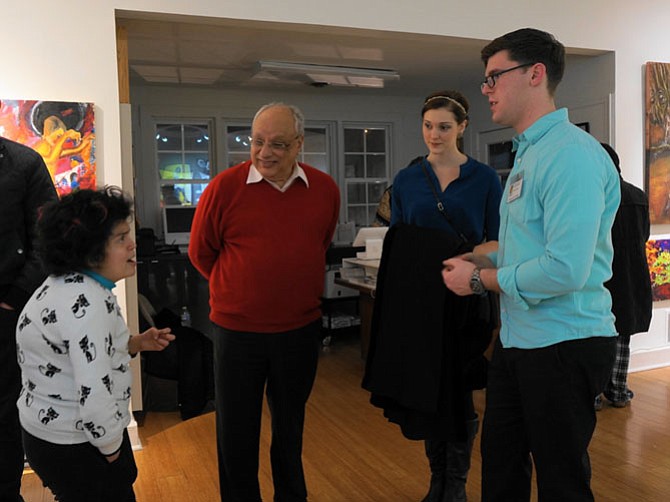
[
  {"x": 73, "y": 231},
  {"x": 613, "y": 155},
  {"x": 529, "y": 45},
  {"x": 453, "y": 101}
]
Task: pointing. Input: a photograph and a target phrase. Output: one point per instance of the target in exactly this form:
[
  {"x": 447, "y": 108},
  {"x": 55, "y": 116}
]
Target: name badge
[{"x": 515, "y": 184}]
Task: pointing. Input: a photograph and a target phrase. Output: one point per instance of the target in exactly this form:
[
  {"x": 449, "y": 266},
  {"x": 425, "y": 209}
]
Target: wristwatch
[{"x": 476, "y": 283}]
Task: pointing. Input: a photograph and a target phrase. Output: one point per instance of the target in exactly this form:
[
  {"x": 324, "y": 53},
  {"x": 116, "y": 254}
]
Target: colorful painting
[
  {"x": 658, "y": 259},
  {"x": 657, "y": 141},
  {"x": 62, "y": 132}
]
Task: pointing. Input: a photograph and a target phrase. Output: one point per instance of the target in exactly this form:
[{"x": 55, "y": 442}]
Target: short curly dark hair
[{"x": 73, "y": 231}]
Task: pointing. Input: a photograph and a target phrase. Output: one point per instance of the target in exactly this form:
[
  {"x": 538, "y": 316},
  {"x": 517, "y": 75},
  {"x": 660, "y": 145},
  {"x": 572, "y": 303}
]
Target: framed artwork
[
  {"x": 658, "y": 259},
  {"x": 657, "y": 141},
  {"x": 63, "y": 133}
]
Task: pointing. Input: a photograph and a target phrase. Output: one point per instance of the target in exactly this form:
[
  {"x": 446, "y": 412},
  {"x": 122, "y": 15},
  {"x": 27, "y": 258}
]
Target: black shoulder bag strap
[{"x": 440, "y": 206}]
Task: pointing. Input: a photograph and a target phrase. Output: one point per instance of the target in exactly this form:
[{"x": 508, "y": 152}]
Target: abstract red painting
[{"x": 63, "y": 133}]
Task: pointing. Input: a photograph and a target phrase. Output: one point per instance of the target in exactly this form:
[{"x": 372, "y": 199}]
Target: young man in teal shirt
[{"x": 557, "y": 338}]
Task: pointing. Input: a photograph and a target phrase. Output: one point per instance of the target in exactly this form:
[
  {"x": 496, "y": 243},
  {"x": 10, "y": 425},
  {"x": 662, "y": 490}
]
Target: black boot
[
  {"x": 436, "y": 451},
  {"x": 458, "y": 465}
]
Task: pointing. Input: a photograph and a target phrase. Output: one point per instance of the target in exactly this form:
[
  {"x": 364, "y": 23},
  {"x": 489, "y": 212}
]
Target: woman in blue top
[{"x": 470, "y": 193}]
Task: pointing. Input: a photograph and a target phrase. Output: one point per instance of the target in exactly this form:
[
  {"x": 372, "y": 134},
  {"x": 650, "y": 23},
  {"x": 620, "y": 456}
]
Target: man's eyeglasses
[
  {"x": 492, "y": 79},
  {"x": 275, "y": 146}
]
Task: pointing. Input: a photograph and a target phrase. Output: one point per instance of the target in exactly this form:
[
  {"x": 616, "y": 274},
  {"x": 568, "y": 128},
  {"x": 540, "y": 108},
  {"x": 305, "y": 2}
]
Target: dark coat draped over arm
[{"x": 426, "y": 343}]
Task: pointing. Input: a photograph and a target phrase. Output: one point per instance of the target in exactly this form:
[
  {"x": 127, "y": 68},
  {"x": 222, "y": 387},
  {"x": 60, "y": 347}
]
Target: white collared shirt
[{"x": 255, "y": 176}]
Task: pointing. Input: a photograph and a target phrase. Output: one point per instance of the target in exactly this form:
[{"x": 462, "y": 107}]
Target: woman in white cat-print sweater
[{"x": 74, "y": 350}]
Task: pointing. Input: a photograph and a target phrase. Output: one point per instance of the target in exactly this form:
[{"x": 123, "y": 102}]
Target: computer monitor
[{"x": 177, "y": 224}]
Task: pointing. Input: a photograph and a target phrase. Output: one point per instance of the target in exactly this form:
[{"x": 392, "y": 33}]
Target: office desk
[{"x": 366, "y": 301}]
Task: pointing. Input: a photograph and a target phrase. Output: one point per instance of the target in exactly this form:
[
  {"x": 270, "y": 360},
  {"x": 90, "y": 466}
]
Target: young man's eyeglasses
[
  {"x": 492, "y": 79},
  {"x": 275, "y": 146}
]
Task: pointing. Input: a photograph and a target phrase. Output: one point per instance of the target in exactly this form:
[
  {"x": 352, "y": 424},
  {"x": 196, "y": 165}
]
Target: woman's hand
[
  {"x": 112, "y": 458},
  {"x": 152, "y": 339},
  {"x": 480, "y": 260},
  {"x": 485, "y": 248}
]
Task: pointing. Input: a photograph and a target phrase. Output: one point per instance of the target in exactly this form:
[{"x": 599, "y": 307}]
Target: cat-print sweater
[{"x": 72, "y": 346}]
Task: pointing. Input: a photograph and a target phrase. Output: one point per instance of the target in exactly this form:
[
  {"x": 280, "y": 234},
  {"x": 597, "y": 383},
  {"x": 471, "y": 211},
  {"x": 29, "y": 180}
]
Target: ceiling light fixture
[{"x": 331, "y": 75}]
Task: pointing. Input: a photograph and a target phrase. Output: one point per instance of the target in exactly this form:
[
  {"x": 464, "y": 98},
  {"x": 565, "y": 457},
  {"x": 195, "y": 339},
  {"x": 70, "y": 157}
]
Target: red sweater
[{"x": 263, "y": 251}]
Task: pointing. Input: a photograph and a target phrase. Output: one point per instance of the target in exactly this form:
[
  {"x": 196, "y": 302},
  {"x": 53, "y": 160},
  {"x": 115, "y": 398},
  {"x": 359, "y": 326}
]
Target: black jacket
[
  {"x": 25, "y": 185},
  {"x": 630, "y": 285},
  {"x": 425, "y": 342}
]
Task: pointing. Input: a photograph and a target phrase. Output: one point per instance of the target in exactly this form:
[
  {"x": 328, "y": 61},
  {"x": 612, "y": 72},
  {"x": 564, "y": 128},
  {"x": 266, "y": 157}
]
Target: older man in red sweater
[{"x": 259, "y": 236}]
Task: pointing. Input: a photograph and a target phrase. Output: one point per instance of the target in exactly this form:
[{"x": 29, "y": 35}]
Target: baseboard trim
[
  {"x": 643, "y": 360},
  {"x": 134, "y": 435}
]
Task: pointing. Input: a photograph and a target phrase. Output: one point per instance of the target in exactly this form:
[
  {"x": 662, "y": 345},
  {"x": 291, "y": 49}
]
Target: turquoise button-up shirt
[{"x": 555, "y": 252}]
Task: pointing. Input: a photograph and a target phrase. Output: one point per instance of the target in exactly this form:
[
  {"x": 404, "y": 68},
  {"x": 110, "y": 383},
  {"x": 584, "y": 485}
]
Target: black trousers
[
  {"x": 11, "y": 451},
  {"x": 539, "y": 402},
  {"x": 284, "y": 364},
  {"x": 80, "y": 473}
]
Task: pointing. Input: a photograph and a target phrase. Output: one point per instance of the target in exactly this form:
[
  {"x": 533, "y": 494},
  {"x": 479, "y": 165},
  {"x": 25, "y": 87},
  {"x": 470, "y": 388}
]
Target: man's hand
[{"x": 457, "y": 273}]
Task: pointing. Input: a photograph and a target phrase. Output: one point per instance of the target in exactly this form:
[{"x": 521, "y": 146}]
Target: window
[
  {"x": 238, "y": 140},
  {"x": 316, "y": 148},
  {"x": 183, "y": 161},
  {"x": 366, "y": 162}
]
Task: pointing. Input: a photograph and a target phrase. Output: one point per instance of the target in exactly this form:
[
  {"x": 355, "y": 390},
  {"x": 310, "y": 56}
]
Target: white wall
[{"x": 66, "y": 50}]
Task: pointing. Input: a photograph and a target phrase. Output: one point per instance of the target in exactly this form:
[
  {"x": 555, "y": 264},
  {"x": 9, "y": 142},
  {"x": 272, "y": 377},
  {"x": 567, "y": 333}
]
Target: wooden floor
[{"x": 351, "y": 454}]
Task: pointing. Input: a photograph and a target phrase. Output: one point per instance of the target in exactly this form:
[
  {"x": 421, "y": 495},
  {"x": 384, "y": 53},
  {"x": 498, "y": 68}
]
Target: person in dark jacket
[
  {"x": 630, "y": 285},
  {"x": 25, "y": 185}
]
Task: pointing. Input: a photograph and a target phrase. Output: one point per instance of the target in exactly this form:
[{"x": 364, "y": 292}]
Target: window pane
[
  {"x": 359, "y": 215},
  {"x": 171, "y": 196},
  {"x": 168, "y": 137},
  {"x": 181, "y": 194},
  {"x": 196, "y": 190},
  {"x": 198, "y": 164},
  {"x": 375, "y": 191},
  {"x": 372, "y": 212},
  {"x": 196, "y": 137},
  {"x": 376, "y": 166},
  {"x": 356, "y": 193},
  {"x": 170, "y": 166},
  {"x": 354, "y": 166},
  {"x": 238, "y": 138},
  {"x": 375, "y": 140},
  {"x": 315, "y": 140},
  {"x": 318, "y": 160},
  {"x": 175, "y": 195},
  {"x": 353, "y": 140}
]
